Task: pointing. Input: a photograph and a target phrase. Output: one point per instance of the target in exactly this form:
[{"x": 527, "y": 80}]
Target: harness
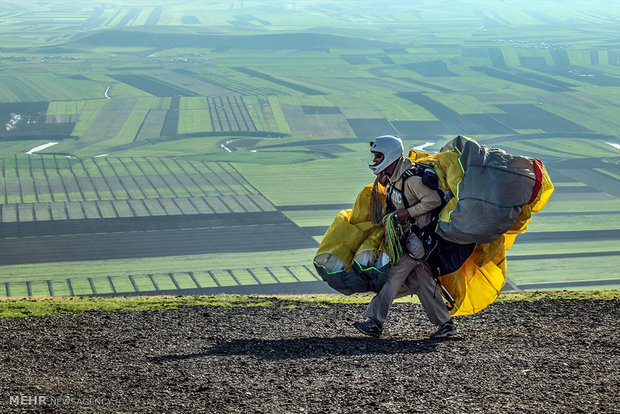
[
  {"x": 442, "y": 256},
  {"x": 429, "y": 179}
]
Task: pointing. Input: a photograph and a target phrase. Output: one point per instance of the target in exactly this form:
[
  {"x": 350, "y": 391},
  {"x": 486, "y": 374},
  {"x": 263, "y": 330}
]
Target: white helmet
[{"x": 392, "y": 149}]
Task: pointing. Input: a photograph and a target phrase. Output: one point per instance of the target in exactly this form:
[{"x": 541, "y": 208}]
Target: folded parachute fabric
[
  {"x": 493, "y": 195},
  {"x": 351, "y": 258}
]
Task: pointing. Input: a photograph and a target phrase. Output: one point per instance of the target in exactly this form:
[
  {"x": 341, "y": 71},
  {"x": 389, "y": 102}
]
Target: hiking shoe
[
  {"x": 444, "y": 330},
  {"x": 370, "y": 328}
]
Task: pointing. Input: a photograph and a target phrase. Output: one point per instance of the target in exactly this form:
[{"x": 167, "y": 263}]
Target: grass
[
  {"x": 592, "y": 222},
  {"x": 559, "y": 247},
  {"x": 402, "y": 110},
  {"x": 254, "y": 160},
  {"x": 65, "y": 107},
  {"x": 194, "y": 120},
  {"x": 575, "y": 206},
  {"x": 88, "y": 115},
  {"x": 561, "y": 146},
  {"x": 278, "y": 115},
  {"x": 315, "y": 182},
  {"x": 176, "y": 147},
  {"x": 126, "y": 134},
  {"x": 574, "y": 269},
  {"x": 45, "y": 306},
  {"x": 609, "y": 173}
]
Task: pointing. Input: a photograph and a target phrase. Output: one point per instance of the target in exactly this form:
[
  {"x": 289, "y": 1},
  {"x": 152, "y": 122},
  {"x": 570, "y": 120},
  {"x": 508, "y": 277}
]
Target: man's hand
[
  {"x": 383, "y": 178},
  {"x": 403, "y": 214}
]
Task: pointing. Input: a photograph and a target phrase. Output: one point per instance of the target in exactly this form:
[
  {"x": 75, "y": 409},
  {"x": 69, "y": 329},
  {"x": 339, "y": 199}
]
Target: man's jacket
[{"x": 420, "y": 198}]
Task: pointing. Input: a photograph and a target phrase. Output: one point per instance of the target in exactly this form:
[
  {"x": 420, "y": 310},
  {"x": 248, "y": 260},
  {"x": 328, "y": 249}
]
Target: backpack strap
[
  {"x": 429, "y": 179},
  {"x": 416, "y": 171}
]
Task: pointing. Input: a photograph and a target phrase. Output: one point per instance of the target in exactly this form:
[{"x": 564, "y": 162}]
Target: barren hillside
[{"x": 541, "y": 356}]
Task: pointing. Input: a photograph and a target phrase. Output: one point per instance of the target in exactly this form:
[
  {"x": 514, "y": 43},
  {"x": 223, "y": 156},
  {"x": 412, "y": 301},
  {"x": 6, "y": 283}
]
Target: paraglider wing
[{"x": 492, "y": 197}]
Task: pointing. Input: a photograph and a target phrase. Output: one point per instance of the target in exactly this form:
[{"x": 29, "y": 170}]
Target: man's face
[{"x": 377, "y": 157}]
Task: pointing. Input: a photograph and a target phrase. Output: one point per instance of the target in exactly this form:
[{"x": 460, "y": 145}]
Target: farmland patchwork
[
  {"x": 114, "y": 208},
  {"x": 202, "y": 147}
]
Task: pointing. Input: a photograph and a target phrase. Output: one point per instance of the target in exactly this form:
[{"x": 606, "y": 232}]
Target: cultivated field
[{"x": 150, "y": 148}]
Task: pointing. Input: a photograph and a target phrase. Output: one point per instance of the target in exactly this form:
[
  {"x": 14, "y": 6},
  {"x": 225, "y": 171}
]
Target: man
[{"x": 412, "y": 202}]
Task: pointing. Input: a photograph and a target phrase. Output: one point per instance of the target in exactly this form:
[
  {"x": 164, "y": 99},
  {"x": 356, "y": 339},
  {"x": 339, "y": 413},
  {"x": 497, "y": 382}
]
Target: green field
[{"x": 140, "y": 120}]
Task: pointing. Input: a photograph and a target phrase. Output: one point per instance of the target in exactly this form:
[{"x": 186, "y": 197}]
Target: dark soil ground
[{"x": 547, "y": 356}]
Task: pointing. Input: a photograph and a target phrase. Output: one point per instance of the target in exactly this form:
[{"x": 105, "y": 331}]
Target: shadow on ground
[{"x": 313, "y": 347}]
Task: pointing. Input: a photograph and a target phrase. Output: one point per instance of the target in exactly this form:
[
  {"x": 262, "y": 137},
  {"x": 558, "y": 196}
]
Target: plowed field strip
[
  {"x": 128, "y": 224},
  {"x": 47, "y": 180},
  {"x": 533, "y": 237},
  {"x": 93, "y": 182},
  {"x": 19, "y": 180},
  {"x": 224, "y": 114},
  {"x": 4, "y": 184},
  {"x": 80, "y": 182},
  {"x": 62, "y": 179},
  {"x": 112, "y": 182},
  {"x": 158, "y": 243},
  {"x": 146, "y": 177},
  {"x": 180, "y": 179},
  {"x": 205, "y": 176},
  {"x": 191, "y": 178},
  {"x": 215, "y": 116},
  {"x": 52, "y": 179},
  {"x": 241, "y": 113},
  {"x": 162, "y": 178},
  {"x": 237, "y": 177}
]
